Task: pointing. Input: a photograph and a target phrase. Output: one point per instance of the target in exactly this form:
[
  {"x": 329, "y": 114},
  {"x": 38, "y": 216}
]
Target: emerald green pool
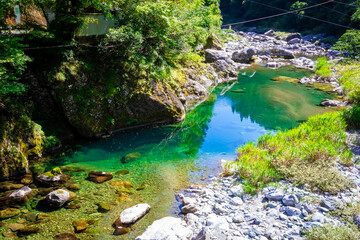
[{"x": 172, "y": 156}]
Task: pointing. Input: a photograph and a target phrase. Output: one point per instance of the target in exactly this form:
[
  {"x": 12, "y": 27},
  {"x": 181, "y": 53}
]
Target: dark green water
[{"x": 171, "y": 156}]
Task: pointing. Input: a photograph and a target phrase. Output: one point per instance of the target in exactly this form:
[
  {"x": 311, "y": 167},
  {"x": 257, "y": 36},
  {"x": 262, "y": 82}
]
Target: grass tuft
[{"x": 331, "y": 232}]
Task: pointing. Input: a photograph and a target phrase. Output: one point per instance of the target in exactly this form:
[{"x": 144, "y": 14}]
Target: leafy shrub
[
  {"x": 352, "y": 117},
  {"x": 304, "y": 155},
  {"x": 323, "y": 67},
  {"x": 349, "y": 42}
]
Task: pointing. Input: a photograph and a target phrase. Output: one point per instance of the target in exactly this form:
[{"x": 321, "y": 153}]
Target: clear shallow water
[{"x": 172, "y": 156}]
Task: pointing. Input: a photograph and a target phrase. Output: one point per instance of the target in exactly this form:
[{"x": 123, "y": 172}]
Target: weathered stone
[
  {"x": 130, "y": 157},
  {"x": 133, "y": 214},
  {"x": 213, "y": 42},
  {"x": 274, "y": 195},
  {"x": 53, "y": 178},
  {"x": 9, "y": 213},
  {"x": 270, "y": 33},
  {"x": 66, "y": 236},
  {"x": 331, "y": 103},
  {"x": 100, "y": 177},
  {"x": 27, "y": 179},
  {"x": 6, "y": 186},
  {"x": 189, "y": 208},
  {"x": 290, "y": 200},
  {"x": 166, "y": 228},
  {"x": 187, "y": 201},
  {"x": 103, "y": 207},
  {"x": 318, "y": 217},
  {"x": 214, "y": 221},
  {"x": 74, "y": 186},
  {"x": 120, "y": 230},
  {"x": 80, "y": 225},
  {"x": 212, "y": 55},
  {"x": 27, "y": 230},
  {"x": 42, "y": 216},
  {"x": 292, "y": 36},
  {"x": 244, "y": 56},
  {"x": 21, "y": 195},
  {"x": 59, "y": 197},
  {"x": 292, "y": 211},
  {"x": 237, "y": 190},
  {"x": 15, "y": 226},
  {"x": 294, "y": 41},
  {"x": 357, "y": 220}
]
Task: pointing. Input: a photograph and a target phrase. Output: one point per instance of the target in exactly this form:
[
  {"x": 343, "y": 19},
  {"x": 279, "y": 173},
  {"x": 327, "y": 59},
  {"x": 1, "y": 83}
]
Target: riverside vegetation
[{"x": 150, "y": 60}]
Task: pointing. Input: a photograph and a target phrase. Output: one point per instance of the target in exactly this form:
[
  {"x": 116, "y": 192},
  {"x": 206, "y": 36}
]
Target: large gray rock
[
  {"x": 21, "y": 194},
  {"x": 290, "y": 200},
  {"x": 133, "y": 214},
  {"x": 166, "y": 228},
  {"x": 227, "y": 69},
  {"x": 275, "y": 195},
  {"x": 294, "y": 41},
  {"x": 212, "y": 55},
  {"x": 213, "y": 42},
  {"x": 57, "y": 198},
  {"x": 292, "y": 36},
  {"x": 190, "y": 208},
  {"x": 331, "y": 103},
  {"x": 218, "y": 222},
  {"x": 244, "y": 56},
  {"x": 270, "y": 33},
  {"x": 318, "y": 217},
  {"x": 292, "y": 211}
]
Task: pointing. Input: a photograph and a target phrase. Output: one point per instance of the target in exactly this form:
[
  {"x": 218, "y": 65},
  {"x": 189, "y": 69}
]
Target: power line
[
  {"x": 276, "y": 15},
  {"x": 290, "y": 12},
  {"x": 334, "y": 10},
  {"x": 348, "y": 4}
]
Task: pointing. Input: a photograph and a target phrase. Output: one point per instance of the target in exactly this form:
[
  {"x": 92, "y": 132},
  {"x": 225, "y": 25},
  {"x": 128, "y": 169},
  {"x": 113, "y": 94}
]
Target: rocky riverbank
[{"x": 222, "y": 210}]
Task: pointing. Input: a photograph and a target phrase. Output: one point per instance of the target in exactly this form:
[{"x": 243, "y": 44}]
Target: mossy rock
[
  {"x": 80, "y": 225},
  {"x": 122, "y": 190},
  {"x": 9, "y": 213},
  {"x": 238, "y": 91},
  {"x": 122, "y": 172},
  {"x": 103, "y": 207},
  {"x": 122, "y": 184},
  {"x": 130, "y": 157},
  {"x": 53, "y": 173},
  {"x": 286, "y": 79}
]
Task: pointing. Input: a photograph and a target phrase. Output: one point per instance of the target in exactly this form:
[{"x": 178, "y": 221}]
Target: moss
[{"x": 54, "y": 172}]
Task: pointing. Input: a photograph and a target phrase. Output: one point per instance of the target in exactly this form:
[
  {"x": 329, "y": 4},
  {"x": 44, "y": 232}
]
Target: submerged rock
[
  {"x": 21, "y": 195},
  {"x": 59, "y": 197},
  {"x": 167, "y": 228},
  {"x": 103, "y": 207},
  {"x": 53, "y": 178},
  {"x": 30, "y": 229},
  {"x": 130, "y": 157},
  {"x": 100, "y": 177},
  {"x": 332, "y": 103},
  {"x": 133, "y": 214},
  {"x": 80, "y": 225},
  {"x": 66, "y": 236},
  {"x": 9, "y": 213}
]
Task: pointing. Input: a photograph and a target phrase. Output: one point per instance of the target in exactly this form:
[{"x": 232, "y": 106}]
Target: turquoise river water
[{"x": 173, "y": 156}]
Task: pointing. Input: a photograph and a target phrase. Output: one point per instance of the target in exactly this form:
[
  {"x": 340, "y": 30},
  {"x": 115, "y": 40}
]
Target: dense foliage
[{"x": 153, "y": 35}]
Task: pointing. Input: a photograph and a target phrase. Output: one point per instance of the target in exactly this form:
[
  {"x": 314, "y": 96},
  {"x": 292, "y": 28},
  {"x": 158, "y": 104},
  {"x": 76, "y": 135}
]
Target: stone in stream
[
  {"x": 53, "y": 178},
  {"x": 9, "y": 213},
  {"x": 59, "y": 197},
  {"x": 189, "y": 208},
  {"x": 80, "y": 225},
  {"x": 167, "y": 228},
  {"x": 130, "y": 157},
  {"x": 99, "y": 177},
  {"x": 66, "y": 236},
  {"x": 133, "y": 214},
  {"x": 21, "y": 195}
]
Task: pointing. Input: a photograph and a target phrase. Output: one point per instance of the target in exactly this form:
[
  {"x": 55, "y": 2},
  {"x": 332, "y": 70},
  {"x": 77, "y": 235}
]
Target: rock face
[
  {"x": 292, "y": 36},
  {"x": 213, "y": 42},
  {"x": 59, "y": 197},
  {"x": 212, "y": 55},
  {"x": 166, "y": 228},
  {"x": 244, "y": 56},
  {"x": 21, "y": 139},
  {"x": 100, "y": 177},
  {"x": 131, "y": 215}
]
